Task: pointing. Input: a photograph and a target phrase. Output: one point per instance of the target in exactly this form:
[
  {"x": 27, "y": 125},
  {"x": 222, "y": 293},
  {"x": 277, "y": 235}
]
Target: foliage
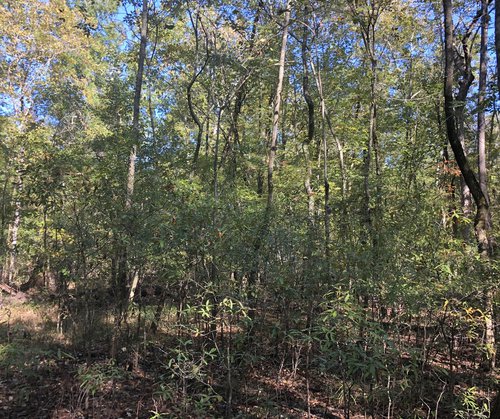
[{"x": 362, "y": 274}]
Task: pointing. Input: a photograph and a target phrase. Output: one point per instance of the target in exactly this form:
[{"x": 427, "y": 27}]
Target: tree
[
  {"x": 123, "y": 268},
  {"x": 451, "y": 103},
  {"x": 35, "y": 59},
  {"x": 497, "y": 40},
  {"x": 276, "y": 108},
  {"x": 482, "y": 223},
  {"x": 133, "y": 182}
]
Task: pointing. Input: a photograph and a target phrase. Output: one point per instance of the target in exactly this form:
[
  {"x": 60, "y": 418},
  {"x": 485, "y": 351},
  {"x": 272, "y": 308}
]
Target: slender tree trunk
[
  {"x": 158, "y": 313},
  {"x": 466, "y": 77},
  {"x": 137, "y": 105},
  {"x": 135, "y": 124},
  {"x": 495, "y": 409},
  {"x": 215, "y": 165},
  {"x": 481, "y": 150},
  {"x": 11, "y": 263},
  {"x": 481, "y": 120},
  {"x": 373, "y": 138},
  {"x": 10, "y": 268},
  {"x": 310, "y": 119},
  {"x": 449, "y": 178},
  {"x": 4, "y": 211},
  {"x": 326, "y": 121},
  {"x": 276, "y": 109},
  {"x": 497, "y": 41},
  {"x": 233, "y": 138},
  {"x": 465, "y": 194},
  {"x": 189, "y": 90},
  {"x": 151, "y": 110},
  {"x": 122, "y": 274},
  {"x": 326, "y": 182},
  {"x": 133, "y": 287},
  {"x": 214, "y": 271},
  {"x": 367, "y": 23},
  {"x": 483, "y": 183},
  {"x": 263, "y": 230},
  {"x": 152, "y": 123}
]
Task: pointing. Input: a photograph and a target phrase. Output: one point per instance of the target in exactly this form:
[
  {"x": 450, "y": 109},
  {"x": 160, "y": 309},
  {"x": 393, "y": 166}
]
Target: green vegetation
[{"x": 259, "y": 208}]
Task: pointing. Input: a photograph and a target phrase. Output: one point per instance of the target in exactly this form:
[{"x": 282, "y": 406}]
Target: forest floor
[{"x": 43, "y": 374}]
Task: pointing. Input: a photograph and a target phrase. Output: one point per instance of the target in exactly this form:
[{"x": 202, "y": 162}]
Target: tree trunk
[
  {"x": 326, "y": 121},
  {"x": 481, "y": 120},
  {"x": 137, "y": 104},
  {"x": 483, "y": 176},
  {"x": 158, "y": 313},
  {"x": 10, "y": 268},
  {"x": 481, "y": 223},
  {"x": 465, "y": 194},
  {"x": 497, "y": 41},
  {"x": 263, "y": 230},
  {"x": 4, "y": 211},
  {"x": 133, "y": 287},
  {"x": 367, "y": 23},
  {"x": 122, "y": 274},
  {"x": 310, "y": 119},
  {"x": 482, "y": 212},
  {"x": 189, "y": 91},
  {"x": 276, "y": 110}
]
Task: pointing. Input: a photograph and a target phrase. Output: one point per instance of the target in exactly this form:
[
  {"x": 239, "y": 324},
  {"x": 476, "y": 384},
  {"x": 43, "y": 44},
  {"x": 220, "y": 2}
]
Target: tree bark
[
  {"x": 3, "y": 223},
  {"x": 137, "y": 103},
  {"x": 310, "y": 119},
  {"x": 367, "y": 23},
  {"x": 481, "y": 223},
  {"x": 276, "y": 109},
  {"x": 482, "y": 212},
  {"x": 497, "y": 41},
  {"x": 189, "y": 91},
  {"x": 481, "y": 120},
  {"x": 263, "y": 229},
  {"x": 122, "y": 274},
  {"x": 326, "y": 182},
  {"x": 326, "y": 121},
  {"x": 136, "y": 132},
  {"x": 10, "y": 267}
]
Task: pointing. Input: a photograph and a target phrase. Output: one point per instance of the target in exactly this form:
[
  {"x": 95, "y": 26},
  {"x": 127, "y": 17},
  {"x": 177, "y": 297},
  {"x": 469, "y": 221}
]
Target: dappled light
[{"x": 249, "y": 209}]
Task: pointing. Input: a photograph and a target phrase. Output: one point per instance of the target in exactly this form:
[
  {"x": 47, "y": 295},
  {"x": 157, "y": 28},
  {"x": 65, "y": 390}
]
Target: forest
[{"x": 249, "y": 209}]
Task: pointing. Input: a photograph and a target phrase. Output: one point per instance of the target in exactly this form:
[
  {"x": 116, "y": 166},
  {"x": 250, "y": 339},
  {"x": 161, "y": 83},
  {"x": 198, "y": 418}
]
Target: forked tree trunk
[
  {"x": 482, "y": 207},
  {"x": 481, "y": 223}
]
